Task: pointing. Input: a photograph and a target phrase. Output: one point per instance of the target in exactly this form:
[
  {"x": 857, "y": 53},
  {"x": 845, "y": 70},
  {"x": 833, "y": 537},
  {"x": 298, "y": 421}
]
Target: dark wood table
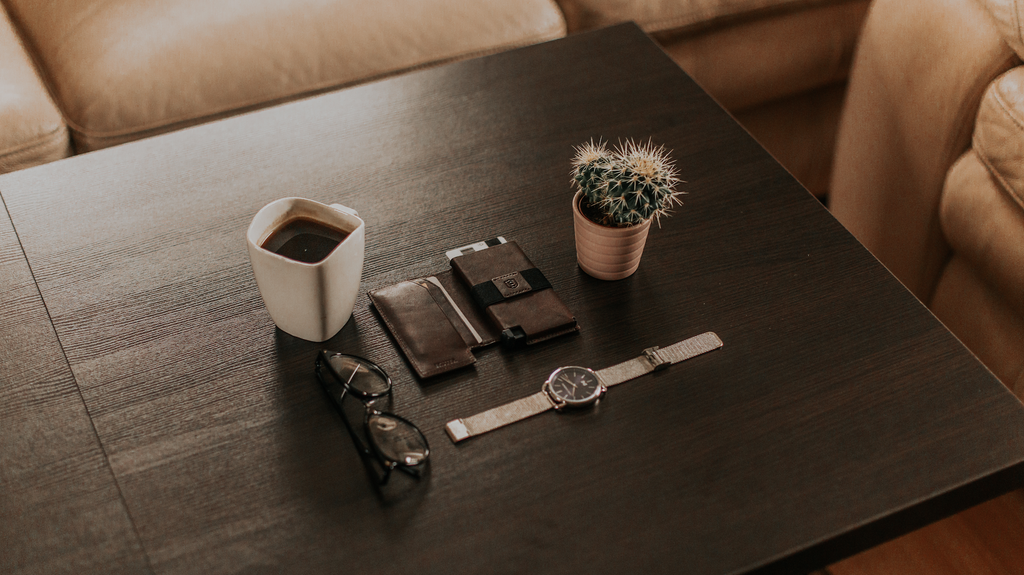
[
  {"x": 163, "y": 423},
  {"x": 60, "y": 509}
]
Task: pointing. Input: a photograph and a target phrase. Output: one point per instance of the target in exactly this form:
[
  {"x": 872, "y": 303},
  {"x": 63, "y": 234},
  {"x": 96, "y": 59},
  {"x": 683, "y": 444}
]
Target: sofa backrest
[{"x": 125, "y": 69}]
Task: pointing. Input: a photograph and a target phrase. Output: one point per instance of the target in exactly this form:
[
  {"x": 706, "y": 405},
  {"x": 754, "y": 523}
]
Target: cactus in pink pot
[{"x": 626, "y": 186}]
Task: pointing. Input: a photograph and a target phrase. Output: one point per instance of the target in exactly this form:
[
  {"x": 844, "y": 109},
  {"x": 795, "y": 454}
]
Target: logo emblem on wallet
[{"x": 511, "y": 284}]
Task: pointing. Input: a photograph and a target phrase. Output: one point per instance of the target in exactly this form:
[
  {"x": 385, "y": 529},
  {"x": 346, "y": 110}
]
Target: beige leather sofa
[
  {"x": 119, "y": 70},
  {"x": 929, "y": 175},
  {"x": 80, "y": 75},
  {"x": 929, "y": 171},
  {"x": 780, "y": 66}
]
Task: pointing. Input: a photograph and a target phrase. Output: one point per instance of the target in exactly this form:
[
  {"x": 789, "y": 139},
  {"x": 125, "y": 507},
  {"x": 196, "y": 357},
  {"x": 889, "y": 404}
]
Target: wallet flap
[{"x": 421, "y": 327}]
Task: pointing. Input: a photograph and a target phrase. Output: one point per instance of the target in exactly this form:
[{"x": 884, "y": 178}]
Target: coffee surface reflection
[{"x": 304, "y": 240}]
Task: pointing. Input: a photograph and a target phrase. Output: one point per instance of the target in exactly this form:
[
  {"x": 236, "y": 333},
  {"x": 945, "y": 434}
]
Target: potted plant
[{"x": 619, "y": 192}]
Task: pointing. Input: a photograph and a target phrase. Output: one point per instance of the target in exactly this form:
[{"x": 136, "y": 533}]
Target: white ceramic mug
[{"x": 312, "y": 301}]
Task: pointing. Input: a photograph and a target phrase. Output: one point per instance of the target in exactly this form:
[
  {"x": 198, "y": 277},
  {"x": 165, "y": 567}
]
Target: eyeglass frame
[{"x": 368, "y": 449}]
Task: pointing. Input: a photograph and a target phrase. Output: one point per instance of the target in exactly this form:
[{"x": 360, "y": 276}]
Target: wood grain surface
[
  {"x": 60, "y": 508},
  {"x": 838, "y": 414}
]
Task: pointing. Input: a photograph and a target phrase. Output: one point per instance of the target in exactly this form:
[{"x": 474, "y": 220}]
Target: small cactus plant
[{"x": 625, "y": 186}]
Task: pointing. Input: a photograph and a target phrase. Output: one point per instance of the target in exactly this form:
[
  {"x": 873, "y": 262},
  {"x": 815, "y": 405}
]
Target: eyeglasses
[{"x": 385, "y": 441}]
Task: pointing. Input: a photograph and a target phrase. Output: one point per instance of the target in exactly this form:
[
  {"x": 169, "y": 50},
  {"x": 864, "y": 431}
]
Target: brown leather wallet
[
  {"x": 437, "y": 321},
  {"x": 433, "y": 322}
]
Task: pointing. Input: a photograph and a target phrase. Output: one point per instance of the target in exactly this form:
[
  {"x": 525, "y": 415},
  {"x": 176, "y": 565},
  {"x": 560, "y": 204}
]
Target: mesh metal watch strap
[
  {"x": 494, "y": 418},
  {"x": 655, "y": 358}
]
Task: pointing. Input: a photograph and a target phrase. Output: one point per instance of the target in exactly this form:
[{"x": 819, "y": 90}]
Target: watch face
[{"x": 574, "y": 386}]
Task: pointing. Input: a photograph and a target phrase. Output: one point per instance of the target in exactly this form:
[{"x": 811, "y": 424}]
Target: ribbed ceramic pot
[{"x": 604, "y": 252}]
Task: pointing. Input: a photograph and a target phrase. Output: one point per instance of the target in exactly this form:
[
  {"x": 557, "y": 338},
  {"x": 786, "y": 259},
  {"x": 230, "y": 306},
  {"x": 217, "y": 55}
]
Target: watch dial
[{"x": 574, "y": 385}]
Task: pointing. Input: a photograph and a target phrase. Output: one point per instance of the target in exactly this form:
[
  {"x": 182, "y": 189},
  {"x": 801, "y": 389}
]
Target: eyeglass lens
[
  {"x": 397, "y": 439},
  {"x": 363, "y": 380}
]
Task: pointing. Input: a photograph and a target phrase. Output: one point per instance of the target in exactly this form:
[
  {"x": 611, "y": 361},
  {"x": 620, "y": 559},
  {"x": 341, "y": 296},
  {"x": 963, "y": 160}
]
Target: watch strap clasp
[
  {"x": 457, "y": 430},
  {"x": 657, "y": 362}
]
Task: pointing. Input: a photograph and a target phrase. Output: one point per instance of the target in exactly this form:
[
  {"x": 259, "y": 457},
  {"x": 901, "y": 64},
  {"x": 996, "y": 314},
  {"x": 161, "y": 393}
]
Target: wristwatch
[{"x": 574, "y": 386}]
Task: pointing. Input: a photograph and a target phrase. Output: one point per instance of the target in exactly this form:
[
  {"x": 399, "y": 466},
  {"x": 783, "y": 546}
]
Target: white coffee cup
[{"x": 312, "y": 301}]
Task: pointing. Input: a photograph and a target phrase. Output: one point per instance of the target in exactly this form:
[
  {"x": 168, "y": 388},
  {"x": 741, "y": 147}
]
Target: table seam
[{"x": 78, "y": 389}]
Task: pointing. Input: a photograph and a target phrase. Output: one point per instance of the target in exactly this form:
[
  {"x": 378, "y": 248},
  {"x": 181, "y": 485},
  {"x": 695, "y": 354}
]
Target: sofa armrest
[
  {"x": 917, "y": 82},
  {"x": 980, "y": 294},
  {"x": 982, "y": 217},
  {"x": 999, "y": 133}
]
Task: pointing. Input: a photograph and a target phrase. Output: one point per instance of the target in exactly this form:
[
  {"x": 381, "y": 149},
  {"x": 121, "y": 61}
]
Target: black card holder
[{"x": 514, "y": 294}]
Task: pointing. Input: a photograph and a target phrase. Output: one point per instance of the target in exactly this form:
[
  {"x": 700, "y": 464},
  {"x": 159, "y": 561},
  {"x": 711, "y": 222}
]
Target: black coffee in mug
[{"x": 304, "y": 240}]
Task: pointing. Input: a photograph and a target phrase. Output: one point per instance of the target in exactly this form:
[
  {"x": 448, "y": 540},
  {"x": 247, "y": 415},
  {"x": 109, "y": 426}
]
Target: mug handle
[{"x": 345, "y": 210}]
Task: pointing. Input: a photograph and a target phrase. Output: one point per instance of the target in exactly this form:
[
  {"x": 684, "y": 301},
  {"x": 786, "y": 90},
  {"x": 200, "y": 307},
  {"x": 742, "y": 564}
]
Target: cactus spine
[{"x": 628, "y": 185}]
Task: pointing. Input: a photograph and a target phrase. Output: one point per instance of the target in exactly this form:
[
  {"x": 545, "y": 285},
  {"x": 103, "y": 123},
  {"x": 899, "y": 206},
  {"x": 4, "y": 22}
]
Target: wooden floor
[{"x": 984, "y": 540}]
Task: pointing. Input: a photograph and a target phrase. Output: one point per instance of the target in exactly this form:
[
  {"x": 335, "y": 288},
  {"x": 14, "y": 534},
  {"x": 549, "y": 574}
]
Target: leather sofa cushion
[
  {"x": 125, "y": 69},
  {"x": 979, "y": 295},
  {"x": 33, "y": 131},
  {"x": 985, "y": 227},
  {"x": 918, "y": 78},
  {"x": 745, "y": 53},
  {"x": 800, "y": 132},
  {"x": 777, "y": 55}
]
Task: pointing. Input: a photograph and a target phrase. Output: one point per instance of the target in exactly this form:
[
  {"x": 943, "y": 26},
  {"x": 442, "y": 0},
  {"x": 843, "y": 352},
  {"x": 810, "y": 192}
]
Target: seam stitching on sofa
[
  {"x": 999, "y": 101},
  {"x": 663, "y": 25},
  {"x": 46, "y": 139},
  {"x": 979, "y": 148},
  {"x": 982, "y": 153},
  {"x": 311, "y": 91}
]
